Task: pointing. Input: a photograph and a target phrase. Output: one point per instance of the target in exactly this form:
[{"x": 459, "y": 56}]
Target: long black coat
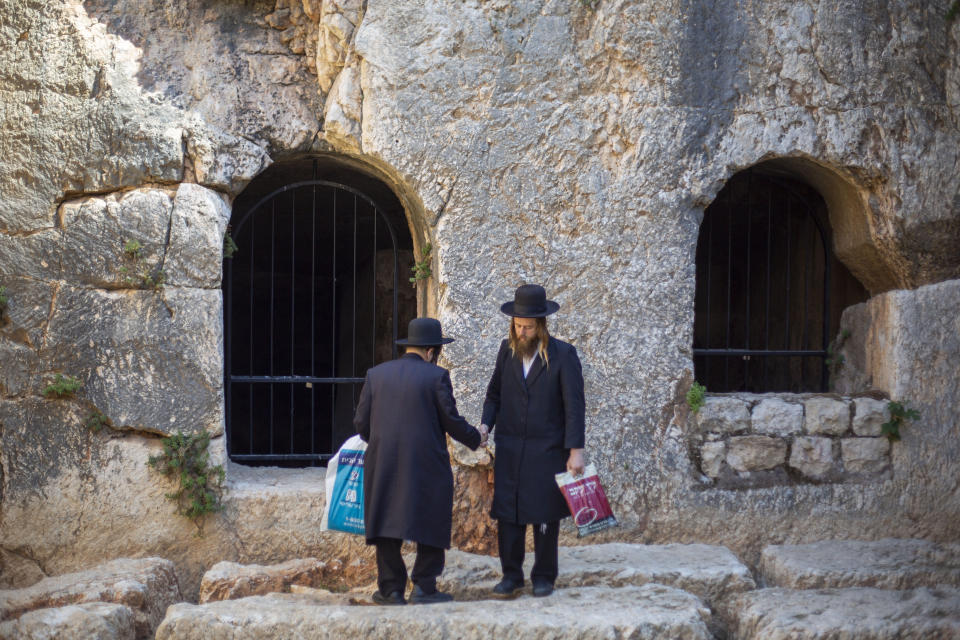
[
  {"x": 405, "y": 408},
  {"x": 537, "y": 421}
]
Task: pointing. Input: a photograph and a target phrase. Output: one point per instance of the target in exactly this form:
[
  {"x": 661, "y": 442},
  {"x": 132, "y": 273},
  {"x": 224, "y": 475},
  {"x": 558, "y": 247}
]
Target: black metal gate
[
  {"x": 302, "y": 325},
  {"x": 762, "y": 308}
]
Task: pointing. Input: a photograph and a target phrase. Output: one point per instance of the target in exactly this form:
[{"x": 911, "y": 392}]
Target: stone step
[
  {"x": 146, "y": 585},
  {"x": 648, "y": 612},
  {"x": 90, "y": 621},
  {"x": 858, "y": 613},
  {"x": 890, "y": 563},
  {"x": 710, "y": 572}
]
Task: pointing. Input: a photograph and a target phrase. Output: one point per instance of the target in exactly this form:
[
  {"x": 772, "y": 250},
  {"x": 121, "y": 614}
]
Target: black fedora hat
[
  {"x": 424, "y": 332},
  {"x": 530, "y": 301}
]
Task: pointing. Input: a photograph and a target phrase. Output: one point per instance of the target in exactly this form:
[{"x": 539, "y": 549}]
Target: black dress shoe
[
  {"x": 395, "y": 597},
  {"x": 419, "y": 596},
  {"x": 541, "y": 589},
  {"x": 507, "y": 588}
]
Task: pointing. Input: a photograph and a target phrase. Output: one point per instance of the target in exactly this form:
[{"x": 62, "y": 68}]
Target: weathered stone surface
[
  {"x": 888, "y": 564},
  {"x": 869, "y": 416},
  {"x": 723, "y": 415},
  {"x": 17, "y": 572},
  {"x": 712, "y": 455},
  {"x": 877, "y": 614},
  {"x": 230, "y": 580},
  {"x": 707, "y": 571},
  {"x": 777, "y": 418},
  {"x": 149, "y": 360},
  {"x": 90, "y": 621},
  {"x": 755, "y": 453},
  {"x": 865, "y": 455},
  {"x": 147, "y": 586},
  {"x": 812, "y": 456},
  {"x": 195, "y": 250},
  {"x": 826, "y": 416},
  {"x": 650, "y": 611}
]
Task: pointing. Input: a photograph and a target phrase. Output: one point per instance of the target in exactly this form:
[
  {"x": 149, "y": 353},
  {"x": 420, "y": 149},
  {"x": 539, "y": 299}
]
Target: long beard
[{"x": 528, "y": 346}]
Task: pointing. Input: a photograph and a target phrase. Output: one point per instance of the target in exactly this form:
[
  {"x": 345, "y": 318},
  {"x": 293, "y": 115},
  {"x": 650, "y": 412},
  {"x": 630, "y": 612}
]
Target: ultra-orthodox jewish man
[
  {"x": 405, "y": 410},
  {"x": 535, "y": 404}
]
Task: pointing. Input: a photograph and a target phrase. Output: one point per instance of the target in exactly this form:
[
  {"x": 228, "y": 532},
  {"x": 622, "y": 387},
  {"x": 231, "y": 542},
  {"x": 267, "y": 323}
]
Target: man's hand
[
  {"x": 575, "y": 462},
  {"x": 484, "y": 434}
]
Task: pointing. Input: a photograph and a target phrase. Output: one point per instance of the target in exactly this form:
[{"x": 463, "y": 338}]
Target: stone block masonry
[{"x": 749, "y": 440}]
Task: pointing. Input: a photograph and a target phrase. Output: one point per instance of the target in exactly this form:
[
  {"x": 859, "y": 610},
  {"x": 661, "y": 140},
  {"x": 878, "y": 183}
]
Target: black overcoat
[
  {"x": 405, "y": 409},
  {"x": 535, "y": 422}
]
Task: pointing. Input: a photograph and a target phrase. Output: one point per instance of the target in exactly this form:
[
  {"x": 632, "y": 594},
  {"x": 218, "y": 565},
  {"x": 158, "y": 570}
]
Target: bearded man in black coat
[
  {"x": 405, "y": 411},
  {"x": 535, "y": 402}
]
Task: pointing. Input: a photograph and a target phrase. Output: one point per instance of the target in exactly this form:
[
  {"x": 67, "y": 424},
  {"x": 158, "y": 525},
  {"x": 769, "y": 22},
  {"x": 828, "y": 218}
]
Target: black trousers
[
  {"x": 392, "y": 572},
  {"x": 510, "y": 539}
]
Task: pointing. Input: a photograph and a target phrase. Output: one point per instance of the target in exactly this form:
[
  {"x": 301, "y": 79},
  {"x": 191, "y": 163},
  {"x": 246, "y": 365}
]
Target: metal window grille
[
  {"x": 762, "y": 307},
  {"x": 304, "y": 319}
]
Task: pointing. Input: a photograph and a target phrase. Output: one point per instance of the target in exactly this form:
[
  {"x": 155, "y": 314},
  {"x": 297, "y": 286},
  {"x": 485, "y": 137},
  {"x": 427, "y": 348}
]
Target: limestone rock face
[
  {"x": 826, "y": 415},
  {"x": 864, "y": 455},
  {"x": 777, "y": 418},
  {"x": 813, "y": 457},
  {"x": 782, "y": 614},
  {"x": 869, "y": 416},
  {"x": 755, "y": 453},
  {"x": 707, "y": 571},
  {"x": 887, "y": 564},
  {"x": 146, "y": 586},
  {"x": 230, "y": 580},
  {"x": 647, "y": 612},
  {"x": 723, "y": 415},
  {"x": 90, "y": 620}
]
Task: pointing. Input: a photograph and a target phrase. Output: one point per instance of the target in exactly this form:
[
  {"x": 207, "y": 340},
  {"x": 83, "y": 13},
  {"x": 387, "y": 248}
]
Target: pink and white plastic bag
[{"x": 587, "y": 502}]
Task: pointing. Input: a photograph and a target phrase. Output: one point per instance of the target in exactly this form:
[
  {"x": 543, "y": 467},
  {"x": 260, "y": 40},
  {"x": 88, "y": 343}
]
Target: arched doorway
[
  {"x": 769, "y": 289},
  {"x": 314, "y": 295}
]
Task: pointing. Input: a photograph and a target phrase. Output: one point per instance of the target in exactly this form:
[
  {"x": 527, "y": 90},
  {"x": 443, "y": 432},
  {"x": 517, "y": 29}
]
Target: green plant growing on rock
[
  {"x": 185, "y": 457},
  {"x": 3, "y": 302},
  {"x": 421, "y": 269},
  {"x": 96, "y": 421},
  {"x": 62, "y": 386},
  {"x": 899, "y": 414},
  {"x": 696, "y": 397},
  {"x": 953, "y": 11},
  {"x": 230, "y": 247},
  {"x": 140, "y": 275}
]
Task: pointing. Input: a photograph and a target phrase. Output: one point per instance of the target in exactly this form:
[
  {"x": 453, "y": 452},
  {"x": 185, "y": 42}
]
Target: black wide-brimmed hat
[
  {"x": 424, "y": 332},
  {"x": 530, "y": 301}
]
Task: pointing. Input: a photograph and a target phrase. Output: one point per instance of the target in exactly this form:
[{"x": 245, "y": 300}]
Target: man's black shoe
[
  {"x": 541, "y": 589},
  {"x": 419, "y": 596},
  {"x": 395, "y": 597},
  {"x": 507, "y": 588}
]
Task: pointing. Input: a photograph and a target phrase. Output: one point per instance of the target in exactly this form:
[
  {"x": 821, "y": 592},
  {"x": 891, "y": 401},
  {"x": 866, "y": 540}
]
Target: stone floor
[{"x": 837, "y": 590}]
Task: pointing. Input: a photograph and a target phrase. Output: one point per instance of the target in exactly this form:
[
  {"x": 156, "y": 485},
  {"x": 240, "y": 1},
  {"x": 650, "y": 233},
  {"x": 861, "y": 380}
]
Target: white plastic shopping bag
[{"x": 344, "y": 488}]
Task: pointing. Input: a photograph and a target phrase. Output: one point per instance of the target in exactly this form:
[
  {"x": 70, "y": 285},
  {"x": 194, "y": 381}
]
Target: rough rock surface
[
  {"x": 707, "y": 571},
  {"x": 777, "y": 418},
  {"x": 869, "y": 416},
  {"x": 647, "y": 612},
  {"x": 147, "y": 586},
  {"x": 547, "y": 141},
  {"x": 89, "y": 621},
  {"x": 813, "y": 457},
  {"x": 230, "y": 580},
  {"x": 887, "y": 564},
  {"x": 865, "y": 455},
  {"x": 826, "y": 614},
  {"x": 826, "y": 415},
  {"x": 755, "y": 453},
  {"x": 723, "y": 415}
]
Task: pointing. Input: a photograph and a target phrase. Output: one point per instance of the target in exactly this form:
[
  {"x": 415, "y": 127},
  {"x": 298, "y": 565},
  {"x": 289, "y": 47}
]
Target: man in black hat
[
  {"x": 405, "y": 410},
  {"x": 535, "y": 402}
]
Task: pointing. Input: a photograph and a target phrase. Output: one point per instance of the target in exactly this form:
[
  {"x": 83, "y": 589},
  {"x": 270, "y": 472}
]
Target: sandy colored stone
[
  {"x": 869, "y": 416},
  {"x": 230, "y": 580},
  {"x": 647, "y": 612},
  {"x": 89, "y": 621},
  {"x": 889, "y": 563},
  {"x": 865, "y": 455},
  {"x": 722, "y": 415},
  {"x": 707, "y": 571},
  {"x": 826, "y": 416},
  {"x": 812, "y": 456},
  {"x": 712, "y": 457},
  {"x": 822, "y": 614},
  {"x": 755, "y": 453},
  {"x": 147, "y": 586},
  {"x": 775, "y": 417}
]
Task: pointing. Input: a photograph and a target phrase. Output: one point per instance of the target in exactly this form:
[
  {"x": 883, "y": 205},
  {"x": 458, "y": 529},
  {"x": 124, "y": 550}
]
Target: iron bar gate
[
  {"x": 762, "y": 306},
  {"x": 301, "y": 322}
]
